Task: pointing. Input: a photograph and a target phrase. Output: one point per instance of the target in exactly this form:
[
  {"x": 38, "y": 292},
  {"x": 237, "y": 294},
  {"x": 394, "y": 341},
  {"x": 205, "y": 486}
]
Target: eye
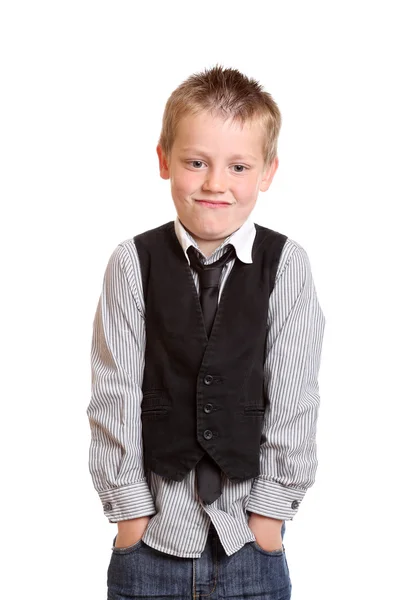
[
  {"x": 242, "y": 167},
  {"x": 196, "y": 163}
]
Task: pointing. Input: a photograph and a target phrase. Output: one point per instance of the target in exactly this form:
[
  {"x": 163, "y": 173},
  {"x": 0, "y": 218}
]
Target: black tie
[{"x": 208, "y": 472}]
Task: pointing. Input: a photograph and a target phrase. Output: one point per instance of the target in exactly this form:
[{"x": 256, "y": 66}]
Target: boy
[{"x": 205, "y": 356}]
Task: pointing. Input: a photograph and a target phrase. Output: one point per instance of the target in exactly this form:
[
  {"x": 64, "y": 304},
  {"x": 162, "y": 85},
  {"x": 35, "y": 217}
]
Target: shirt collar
[{"x": 242, "y": 240}]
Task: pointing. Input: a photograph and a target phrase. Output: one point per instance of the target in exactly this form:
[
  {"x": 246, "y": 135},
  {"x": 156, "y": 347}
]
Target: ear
[
  {"x": 268, "y": 175},
  {"x": 162, "y": 159}
]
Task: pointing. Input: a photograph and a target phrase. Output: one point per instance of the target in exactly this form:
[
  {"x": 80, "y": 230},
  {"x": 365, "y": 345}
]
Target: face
[{"x": 216, "y": 170}]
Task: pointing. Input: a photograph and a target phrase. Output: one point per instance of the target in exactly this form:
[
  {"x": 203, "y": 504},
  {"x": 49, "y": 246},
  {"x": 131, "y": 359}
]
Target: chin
[{"x": 211, "y": 233}]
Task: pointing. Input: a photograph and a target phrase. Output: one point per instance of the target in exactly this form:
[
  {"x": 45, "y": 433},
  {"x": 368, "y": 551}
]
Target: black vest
[{"x": 204, "y": 395}]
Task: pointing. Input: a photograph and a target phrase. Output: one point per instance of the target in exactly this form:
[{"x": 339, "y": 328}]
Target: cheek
[
  {"x": 184, "y": 181},
  {"x": 249, "y": 190},
  {"x": 244, "y": 193}
]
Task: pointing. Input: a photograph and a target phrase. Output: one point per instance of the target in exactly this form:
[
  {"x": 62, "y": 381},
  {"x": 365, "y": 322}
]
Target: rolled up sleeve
[
  {"x": 288, "y": 456},
  {"x": 114, "y": 411}
]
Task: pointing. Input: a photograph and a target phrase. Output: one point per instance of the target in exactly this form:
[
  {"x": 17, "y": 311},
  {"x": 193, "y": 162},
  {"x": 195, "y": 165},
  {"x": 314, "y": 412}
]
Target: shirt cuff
[
  {"x": 271, "y": 499},
  {"x": 129, "y": 502}
]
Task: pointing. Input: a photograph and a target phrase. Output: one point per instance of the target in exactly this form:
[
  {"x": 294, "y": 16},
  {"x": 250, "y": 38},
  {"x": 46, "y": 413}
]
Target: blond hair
[{"x": 226, "y": 93}]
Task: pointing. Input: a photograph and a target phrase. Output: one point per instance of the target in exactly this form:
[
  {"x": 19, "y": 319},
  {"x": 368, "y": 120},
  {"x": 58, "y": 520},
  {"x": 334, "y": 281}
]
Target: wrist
[
  {"x": 264, "y": 519},
  {"x": 128, "y": 523}
]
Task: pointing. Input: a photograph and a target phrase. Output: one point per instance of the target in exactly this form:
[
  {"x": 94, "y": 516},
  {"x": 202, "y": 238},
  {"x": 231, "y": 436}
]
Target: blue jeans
[{"x": 140, "y": 571}]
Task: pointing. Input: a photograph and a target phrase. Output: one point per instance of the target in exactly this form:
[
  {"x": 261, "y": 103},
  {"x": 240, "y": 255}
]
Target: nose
[{"x": 215, "y": 181}]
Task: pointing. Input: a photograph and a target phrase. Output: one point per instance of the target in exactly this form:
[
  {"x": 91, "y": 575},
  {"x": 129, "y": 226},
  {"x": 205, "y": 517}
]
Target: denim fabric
[{"x": 140, "y": 571}]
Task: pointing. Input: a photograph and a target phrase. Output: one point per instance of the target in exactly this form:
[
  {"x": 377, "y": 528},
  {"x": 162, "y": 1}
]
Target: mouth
[{"x": 212, "y": 203}]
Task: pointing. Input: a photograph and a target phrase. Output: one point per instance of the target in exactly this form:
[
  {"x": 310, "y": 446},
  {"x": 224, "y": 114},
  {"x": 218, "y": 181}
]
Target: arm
[
  {"x": 114, "y": 411},
  {"x": 288, "y": 459}
]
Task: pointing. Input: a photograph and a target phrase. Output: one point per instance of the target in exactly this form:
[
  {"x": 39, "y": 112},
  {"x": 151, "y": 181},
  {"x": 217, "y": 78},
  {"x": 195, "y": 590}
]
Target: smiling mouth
[{"x": 211, "y": 203}]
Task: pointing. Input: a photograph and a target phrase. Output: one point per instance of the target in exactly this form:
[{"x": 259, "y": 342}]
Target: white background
[{"x": 83, "y": 87}]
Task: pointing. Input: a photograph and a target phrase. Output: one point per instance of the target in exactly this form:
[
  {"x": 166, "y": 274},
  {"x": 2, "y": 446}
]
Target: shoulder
[
  {"x": 294, "y": 259},
  {"x": 293, "y": 256},
  {"x": 124, "y": 273},
  {"x": 126, "y": 251},
  {"x": 152, "y": 235}
]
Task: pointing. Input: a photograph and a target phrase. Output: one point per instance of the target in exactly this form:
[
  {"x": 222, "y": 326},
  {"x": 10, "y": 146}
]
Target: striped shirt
[{"x": 288, "y": 461}]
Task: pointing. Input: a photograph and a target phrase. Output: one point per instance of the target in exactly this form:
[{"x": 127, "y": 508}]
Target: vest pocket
[
  {"x": 255, "y": 409},
  {"x": 155, "y": 404},
  {"x": 155, "y": 411}
]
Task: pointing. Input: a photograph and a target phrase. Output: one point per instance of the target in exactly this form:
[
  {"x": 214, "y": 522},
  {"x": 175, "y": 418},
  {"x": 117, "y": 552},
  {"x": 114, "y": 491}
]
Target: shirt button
[
  {"x": 207, "y": 434},
  {"x": 295, "y": 504},
  {"x": 208, "y": 408},
  {"x": 208, "y": 379},
  {"x": 107, "y": 506}
]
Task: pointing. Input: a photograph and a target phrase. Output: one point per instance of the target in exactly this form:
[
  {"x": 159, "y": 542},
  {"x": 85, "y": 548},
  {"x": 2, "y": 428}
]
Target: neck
[{"x": 208, "y": 247}]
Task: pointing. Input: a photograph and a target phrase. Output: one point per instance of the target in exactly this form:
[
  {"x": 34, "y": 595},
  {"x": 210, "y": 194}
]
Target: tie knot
[{"x": 209, "y": 275}]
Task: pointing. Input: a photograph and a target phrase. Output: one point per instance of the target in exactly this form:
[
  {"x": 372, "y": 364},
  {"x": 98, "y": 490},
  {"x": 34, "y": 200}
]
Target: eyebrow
[{"x": 233, "y": 157}]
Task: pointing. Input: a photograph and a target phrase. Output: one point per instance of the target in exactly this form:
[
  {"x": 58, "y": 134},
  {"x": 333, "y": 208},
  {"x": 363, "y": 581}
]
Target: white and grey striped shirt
[{"x": 288, "y": 460}]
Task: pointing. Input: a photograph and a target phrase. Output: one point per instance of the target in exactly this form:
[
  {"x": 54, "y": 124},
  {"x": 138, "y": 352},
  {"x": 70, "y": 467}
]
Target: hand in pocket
[
  {"x": 131, "y": 531},
  {"x": 267, "y": 532}
]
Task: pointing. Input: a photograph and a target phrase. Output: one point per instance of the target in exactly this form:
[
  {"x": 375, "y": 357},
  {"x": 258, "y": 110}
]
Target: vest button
[
  {"x": 207, "y": 434},
  {"x": 208, "y": 408},
  {"x": 208, "y": 379}
]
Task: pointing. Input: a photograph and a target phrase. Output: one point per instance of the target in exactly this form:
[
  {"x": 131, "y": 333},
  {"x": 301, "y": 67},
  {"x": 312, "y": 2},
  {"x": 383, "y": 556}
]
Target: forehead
[{"x": 206, "y": 131}]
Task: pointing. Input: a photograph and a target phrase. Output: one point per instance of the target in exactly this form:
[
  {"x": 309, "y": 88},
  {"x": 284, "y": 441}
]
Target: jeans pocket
[
  {"x": 278, "y": 552},
  {"x": 126, "y": 549}
]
